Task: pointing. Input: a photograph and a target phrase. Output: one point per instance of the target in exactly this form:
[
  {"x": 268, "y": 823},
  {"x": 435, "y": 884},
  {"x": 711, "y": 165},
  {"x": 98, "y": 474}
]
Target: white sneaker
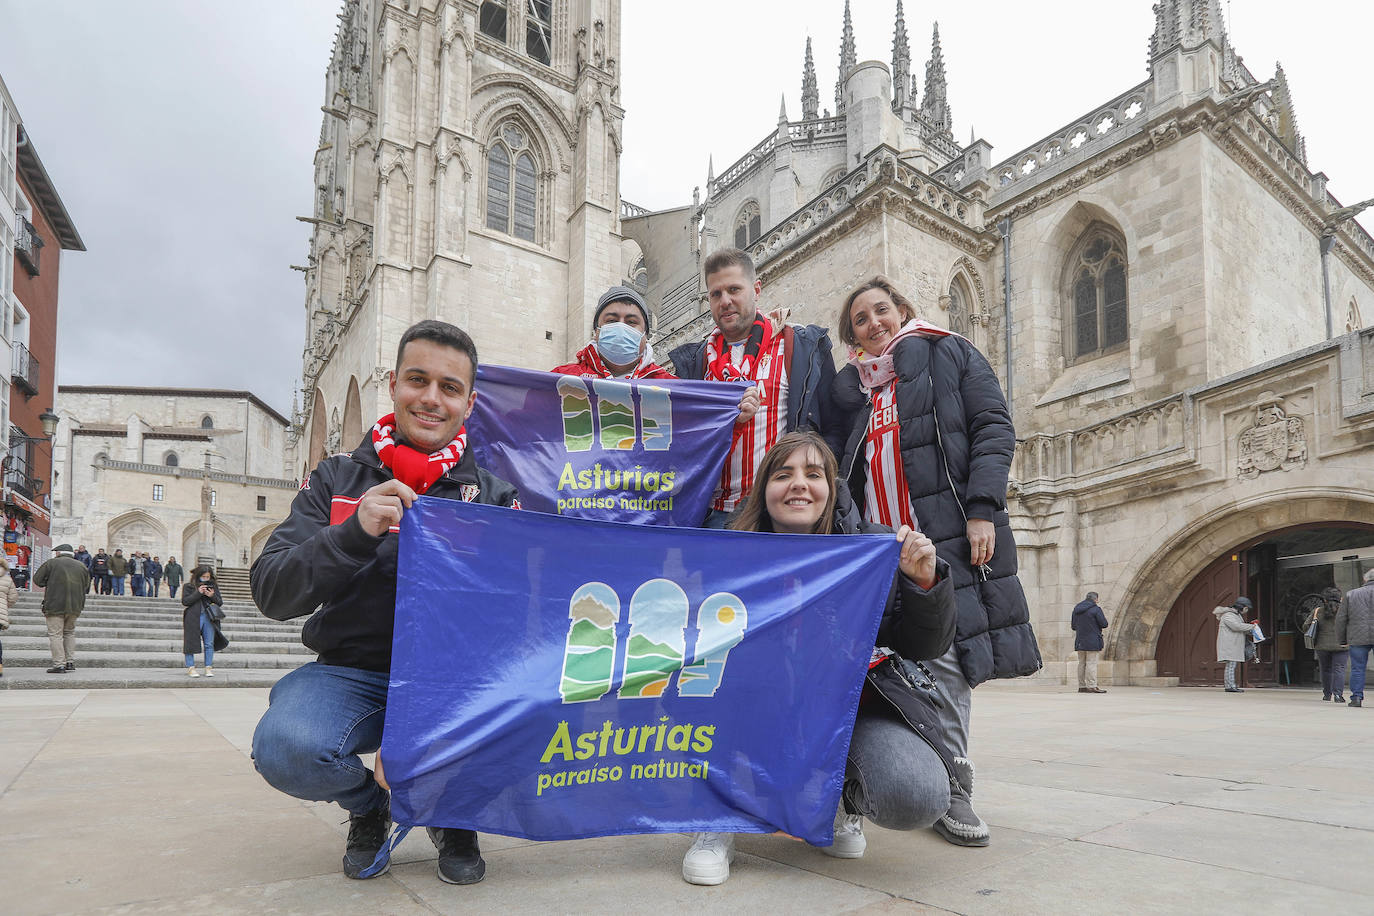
[
  {"x": 708, "y": 861},
  {"x": 193, "y": 672},
  {"x": 849, "y": 836},
  {"x": 209, "y": 672}
]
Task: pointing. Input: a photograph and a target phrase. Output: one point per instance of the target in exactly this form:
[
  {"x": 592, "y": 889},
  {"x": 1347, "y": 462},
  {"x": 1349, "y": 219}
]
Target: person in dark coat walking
[
  {"x": 64, "y": 580},
  {"x": 155, "y": 577},
  {"x": 1332, "y": 656},
  {"x": 100, "y": 572},
  {"x": 200, "y": 620},
  {"x": 899, "y": 773},
  {"x": 174, "y": 574},
  {"x": 1088, "y": 622},
  {"x": 930, "y": 446},
  {"x": 1355, "y": 628}
]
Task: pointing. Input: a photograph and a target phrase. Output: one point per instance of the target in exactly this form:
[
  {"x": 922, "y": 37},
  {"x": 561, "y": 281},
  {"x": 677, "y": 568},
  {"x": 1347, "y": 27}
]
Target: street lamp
[{"x": 49, "y": 421}]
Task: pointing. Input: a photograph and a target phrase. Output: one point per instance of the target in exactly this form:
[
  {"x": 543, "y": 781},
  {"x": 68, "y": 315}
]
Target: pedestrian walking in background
[
  {"x": 136, "y": 568},
  {"x": 1332, "y": 656},
  {"x": 65, "y": 581},
  {"x": 155, "y": 576},
  {"x": 174, "y": 575},
  {"x": 9, "y": 595},
  {"x": 100, "y": 572},
  {"x": 1232, "y": 629},
  {"x": 200, "y": 620},
  {"x": 1355, "y": 628},
  {"x": 1088, "y": 622},
  {"x": 119, "y": 568}
]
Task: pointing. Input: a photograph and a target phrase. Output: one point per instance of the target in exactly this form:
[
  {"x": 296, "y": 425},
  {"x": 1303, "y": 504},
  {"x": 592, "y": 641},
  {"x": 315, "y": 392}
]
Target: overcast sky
[{"x": 180, "y": 134}]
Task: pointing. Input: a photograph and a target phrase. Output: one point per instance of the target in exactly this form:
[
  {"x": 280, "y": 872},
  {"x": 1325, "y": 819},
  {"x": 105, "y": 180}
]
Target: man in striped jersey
[{"x": 789, "y": 367}]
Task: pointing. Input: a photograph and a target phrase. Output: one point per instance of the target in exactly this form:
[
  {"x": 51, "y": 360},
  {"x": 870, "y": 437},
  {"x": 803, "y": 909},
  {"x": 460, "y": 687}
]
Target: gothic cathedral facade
[{"x": 468, "y": 170}]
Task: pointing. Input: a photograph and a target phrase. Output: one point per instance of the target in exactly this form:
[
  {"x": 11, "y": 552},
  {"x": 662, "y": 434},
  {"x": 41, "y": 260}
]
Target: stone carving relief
[{"x": 1275, "y": 441}]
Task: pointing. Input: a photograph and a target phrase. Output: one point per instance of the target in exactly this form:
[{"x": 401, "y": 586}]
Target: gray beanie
[{"x": 621, "y": 294}]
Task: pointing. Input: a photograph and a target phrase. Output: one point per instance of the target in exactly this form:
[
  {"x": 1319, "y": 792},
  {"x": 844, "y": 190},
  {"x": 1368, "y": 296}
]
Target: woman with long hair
[
  {"x": 200, "y": 617},
  {"x": 899, "y": 774},
  {"x": 931, "y": 447}
]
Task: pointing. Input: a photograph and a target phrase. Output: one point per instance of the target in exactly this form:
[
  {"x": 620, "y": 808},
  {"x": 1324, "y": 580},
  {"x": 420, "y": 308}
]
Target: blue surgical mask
[{"x": 619, "y": 343}]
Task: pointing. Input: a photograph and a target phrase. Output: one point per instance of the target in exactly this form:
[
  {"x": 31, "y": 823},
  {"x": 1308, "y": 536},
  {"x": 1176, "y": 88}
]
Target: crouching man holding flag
[{"x": 337, "y": 552}]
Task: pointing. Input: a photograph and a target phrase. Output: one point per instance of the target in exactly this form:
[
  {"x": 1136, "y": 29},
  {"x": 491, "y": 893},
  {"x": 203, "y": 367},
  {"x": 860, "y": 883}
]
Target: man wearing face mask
[{"x": 620, "y": 342}]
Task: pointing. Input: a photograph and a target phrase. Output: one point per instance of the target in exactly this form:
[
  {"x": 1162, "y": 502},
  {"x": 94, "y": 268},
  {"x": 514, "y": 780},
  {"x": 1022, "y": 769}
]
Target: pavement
[{"x": 1175, "y": 800}]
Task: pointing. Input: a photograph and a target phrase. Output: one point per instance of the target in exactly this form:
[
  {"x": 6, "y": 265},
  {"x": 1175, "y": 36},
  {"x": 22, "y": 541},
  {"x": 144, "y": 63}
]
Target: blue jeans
[
  {"x": 136, "y": 586},
  {"x": 1359, "y": 659},
  {"x": 207, "y": 638},
  {"x": 157, "y": 585},
  {"x": 716, "y": 518},
  {"x": 319, "y": 719},
  {"x": 117, "y": 583}
]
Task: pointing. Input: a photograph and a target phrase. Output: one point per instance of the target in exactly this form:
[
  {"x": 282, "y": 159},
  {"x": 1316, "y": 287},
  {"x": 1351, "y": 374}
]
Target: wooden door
[{"x": 1187, "y": 647}]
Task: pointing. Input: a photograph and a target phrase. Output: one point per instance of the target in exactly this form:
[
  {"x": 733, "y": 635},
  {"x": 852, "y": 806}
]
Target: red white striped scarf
[
  {"x": 886, "y": 498},
  {"x": 589, "y": 358},
  {"x": 764, "y": 363},
  {"x": 410, "y": 466}
]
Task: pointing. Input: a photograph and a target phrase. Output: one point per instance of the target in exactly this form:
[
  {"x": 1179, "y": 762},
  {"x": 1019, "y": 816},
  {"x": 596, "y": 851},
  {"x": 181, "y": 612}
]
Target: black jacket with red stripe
[{"x": 321, "y": 560}]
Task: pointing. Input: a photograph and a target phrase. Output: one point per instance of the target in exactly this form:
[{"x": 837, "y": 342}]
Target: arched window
[
  {"x": 206, "y": 422},
  {"x": 171, "y": 460},
  {"x": 960, "y": 307},
  {"x": 491, "y": 19},
  {"x": 832, "y": 176},
  {"x": 539, "y": 30},
  {"x": 1098, "y": 313},
  {"x": 1353, "y": 322},
  {"x": 512, "y": 183},
  {"x": 748, "y": 225}
]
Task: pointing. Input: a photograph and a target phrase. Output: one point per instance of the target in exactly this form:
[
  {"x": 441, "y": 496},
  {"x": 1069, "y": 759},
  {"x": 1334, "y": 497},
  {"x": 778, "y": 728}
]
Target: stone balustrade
[
  {"x": 1105, "y": 126},
  {"x": 1139, "y": 436},
  {"x": 161, "y": 470}
]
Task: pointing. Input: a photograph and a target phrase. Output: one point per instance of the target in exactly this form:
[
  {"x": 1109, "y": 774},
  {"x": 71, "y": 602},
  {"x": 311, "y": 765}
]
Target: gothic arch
[
  {"x": 832, "y": 177},
  {"x": 747, "y": 226},
  {"x": 1150, "y": 592},
  {"x": 515, "y": 91},
  {"x": 1353, "y": 321},
  {"x": 352, "y": 415},
  {"x": 226, "y": 544},
  {"x": 512, "y": 140},
  {"x": 318, "y": 431},
  {"x": 258, "y": 541},
  {"x": 136, "y": 530},
  {"x": 964, "y": 274},
  {"x": 1049, "y": 266}
]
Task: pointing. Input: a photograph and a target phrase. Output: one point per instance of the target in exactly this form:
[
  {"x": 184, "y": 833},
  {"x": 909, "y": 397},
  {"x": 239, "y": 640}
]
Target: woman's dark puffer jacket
[{"x": 976, "y": 437}]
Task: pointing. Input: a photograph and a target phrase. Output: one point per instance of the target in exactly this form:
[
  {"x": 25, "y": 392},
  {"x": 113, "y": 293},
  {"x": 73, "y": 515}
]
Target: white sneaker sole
[
  {"x": 836, "y": 851},
  {"x": 705, "y": 877}
]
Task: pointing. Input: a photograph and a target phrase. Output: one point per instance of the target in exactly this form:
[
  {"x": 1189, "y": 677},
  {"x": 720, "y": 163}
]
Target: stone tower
[{"x": 468, "y": 170}]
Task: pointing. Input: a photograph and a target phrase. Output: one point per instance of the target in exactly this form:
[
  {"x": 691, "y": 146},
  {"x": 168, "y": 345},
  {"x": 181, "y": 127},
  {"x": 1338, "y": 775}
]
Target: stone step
[
  {"x": 30, "y": 658},
  {"x": 102, "y": 642},
  {"x": 157, "y": 618},
  {"x": 238, "y": 633},
  {"x": 125, "y": 678}
]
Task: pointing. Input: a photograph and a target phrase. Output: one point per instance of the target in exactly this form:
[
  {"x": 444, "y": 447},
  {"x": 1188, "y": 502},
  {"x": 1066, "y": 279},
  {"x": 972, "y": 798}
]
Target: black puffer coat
[
  {"x": 194, "y": 604},
  {"x": 976, "y": 439}
]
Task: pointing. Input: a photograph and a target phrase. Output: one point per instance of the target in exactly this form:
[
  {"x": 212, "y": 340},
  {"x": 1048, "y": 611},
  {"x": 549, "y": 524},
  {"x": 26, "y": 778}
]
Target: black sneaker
[
  {"x": 58, "y": 669},
  {"x": 460, "y": 861},
  {"x": 71, "y": 666},
  {"x": 366, "y": 837}
]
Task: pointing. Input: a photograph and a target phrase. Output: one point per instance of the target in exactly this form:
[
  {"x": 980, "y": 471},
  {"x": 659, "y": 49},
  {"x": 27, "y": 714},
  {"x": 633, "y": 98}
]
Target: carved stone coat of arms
[{"x": 1274, "y": 441}]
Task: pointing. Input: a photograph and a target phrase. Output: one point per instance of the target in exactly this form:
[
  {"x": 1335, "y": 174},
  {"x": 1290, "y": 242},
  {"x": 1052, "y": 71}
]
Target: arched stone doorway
[{"x": 1195, "y": 567}]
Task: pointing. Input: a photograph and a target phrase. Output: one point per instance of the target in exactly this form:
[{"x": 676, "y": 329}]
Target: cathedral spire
[
  {"x": 782, "y": 109},
  {"x": 1187, "y": 22},
  {"x": 936, "y": 104},
  {"x": 811, "y": 97},
  {"x": 848, "y": 58},
  {"x": 1287, "y": 116},
  {"x": 901, "y": 62}
]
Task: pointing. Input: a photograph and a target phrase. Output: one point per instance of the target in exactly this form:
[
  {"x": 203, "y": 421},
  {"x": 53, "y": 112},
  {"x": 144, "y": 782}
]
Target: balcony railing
[
  {"x": 27, "y": 244},
  {"x": 19, "y": 477},
  {"x": 24, "y": 370}
]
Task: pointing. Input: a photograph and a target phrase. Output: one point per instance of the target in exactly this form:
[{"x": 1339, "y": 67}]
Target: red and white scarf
[
  {"x": 590, "y": 360},
  {"x": 410, "y": 466},
  {"x": 886, "y": 498},
  {"x": 764, "y": 364},
  {"x": 875, "y": 371}
]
